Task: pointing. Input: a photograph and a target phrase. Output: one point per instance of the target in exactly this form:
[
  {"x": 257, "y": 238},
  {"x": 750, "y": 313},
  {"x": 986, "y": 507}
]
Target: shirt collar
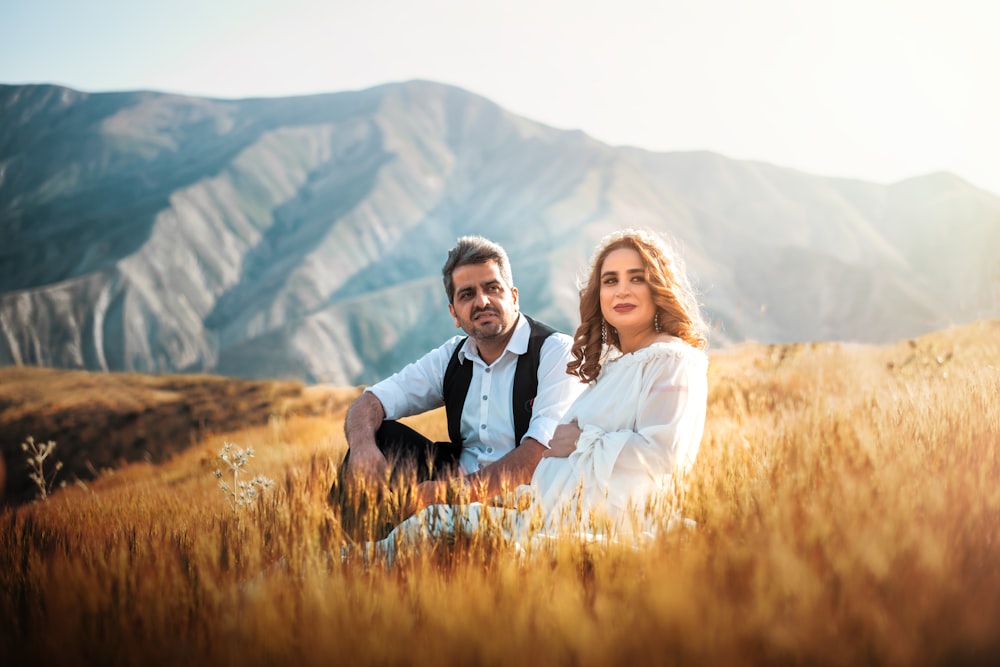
[{"x": 518, "y": 343}]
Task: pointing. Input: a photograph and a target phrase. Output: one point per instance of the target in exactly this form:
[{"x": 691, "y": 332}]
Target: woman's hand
[{"x": 563, "y": 442}]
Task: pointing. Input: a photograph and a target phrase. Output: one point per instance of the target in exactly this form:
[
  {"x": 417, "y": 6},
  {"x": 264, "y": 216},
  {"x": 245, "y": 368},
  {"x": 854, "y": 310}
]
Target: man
[{"x": 500, "y": 419}]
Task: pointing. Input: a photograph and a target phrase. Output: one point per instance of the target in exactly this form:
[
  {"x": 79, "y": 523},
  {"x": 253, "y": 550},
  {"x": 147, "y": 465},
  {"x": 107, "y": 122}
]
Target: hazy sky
[{"x": 873, "y": 89}]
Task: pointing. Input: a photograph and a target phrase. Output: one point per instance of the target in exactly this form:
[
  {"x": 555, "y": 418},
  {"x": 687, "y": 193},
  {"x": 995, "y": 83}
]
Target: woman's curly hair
[{"x": 675, "y": 301}]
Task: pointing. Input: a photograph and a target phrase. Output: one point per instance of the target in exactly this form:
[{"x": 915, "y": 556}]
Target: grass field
[{"x": 846, "y": 499}]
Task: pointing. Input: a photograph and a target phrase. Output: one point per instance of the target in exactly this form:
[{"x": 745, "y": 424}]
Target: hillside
[
  {"x": 103, "y": 421},
  {"x": 301, "y": 238}
]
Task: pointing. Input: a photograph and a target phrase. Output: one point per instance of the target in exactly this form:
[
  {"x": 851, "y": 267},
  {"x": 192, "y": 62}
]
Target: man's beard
[{"x": 487, "y": 331}]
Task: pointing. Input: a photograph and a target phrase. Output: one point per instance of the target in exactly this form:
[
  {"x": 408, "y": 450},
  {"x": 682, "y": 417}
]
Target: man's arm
[
  {"x": 514, "y": 468},
  {"x": 364, "y": 418}
]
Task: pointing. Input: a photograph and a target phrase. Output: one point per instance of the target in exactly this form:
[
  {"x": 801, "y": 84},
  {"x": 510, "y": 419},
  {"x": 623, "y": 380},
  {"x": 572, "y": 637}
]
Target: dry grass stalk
[{"x": 847, "y": 509}]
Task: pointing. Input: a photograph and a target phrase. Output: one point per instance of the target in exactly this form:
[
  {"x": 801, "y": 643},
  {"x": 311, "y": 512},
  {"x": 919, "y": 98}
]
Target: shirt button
[
  {"x": 482, "y": 426},
  {"x": 489, "y": 450},
  {"x": 484, "y": 397},
  {"x": 488, "y": 370}
]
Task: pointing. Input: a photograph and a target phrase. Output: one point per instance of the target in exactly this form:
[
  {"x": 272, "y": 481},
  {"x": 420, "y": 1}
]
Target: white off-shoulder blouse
[{"x": 642, "y": 423}]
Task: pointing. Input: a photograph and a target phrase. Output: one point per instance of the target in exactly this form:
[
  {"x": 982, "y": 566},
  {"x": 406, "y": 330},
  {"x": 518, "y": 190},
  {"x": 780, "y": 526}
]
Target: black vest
[{"x": 458, "y": 377}]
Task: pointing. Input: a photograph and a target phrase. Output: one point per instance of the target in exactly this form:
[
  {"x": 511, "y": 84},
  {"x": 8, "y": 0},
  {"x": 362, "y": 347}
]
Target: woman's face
[{"x": 626, "y": 299}]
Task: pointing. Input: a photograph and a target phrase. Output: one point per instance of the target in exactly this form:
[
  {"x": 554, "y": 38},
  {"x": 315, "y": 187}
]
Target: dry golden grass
[{"x": 847, "y": 505}]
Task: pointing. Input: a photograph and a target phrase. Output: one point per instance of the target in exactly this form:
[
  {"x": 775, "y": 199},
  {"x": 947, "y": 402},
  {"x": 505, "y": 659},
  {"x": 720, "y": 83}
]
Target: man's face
[{"x": 483, "y": 305}]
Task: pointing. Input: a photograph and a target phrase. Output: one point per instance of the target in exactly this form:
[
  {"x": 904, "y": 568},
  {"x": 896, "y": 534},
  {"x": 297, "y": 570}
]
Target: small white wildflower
[
  {"x": 241, "y": 492},
  {"x": 37, "y": 453}
]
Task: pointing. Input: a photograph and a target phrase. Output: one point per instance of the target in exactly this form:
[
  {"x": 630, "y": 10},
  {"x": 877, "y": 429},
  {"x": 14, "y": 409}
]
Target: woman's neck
[{"x": 629, "y": 341}]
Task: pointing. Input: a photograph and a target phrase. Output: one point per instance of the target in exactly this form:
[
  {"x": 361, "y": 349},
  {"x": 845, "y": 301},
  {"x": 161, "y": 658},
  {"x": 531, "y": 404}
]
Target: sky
[{"x": 879, "y": 90}]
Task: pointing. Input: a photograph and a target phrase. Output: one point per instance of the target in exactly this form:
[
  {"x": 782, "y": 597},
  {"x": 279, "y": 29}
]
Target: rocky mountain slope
[{"x": 303, "y": 237}]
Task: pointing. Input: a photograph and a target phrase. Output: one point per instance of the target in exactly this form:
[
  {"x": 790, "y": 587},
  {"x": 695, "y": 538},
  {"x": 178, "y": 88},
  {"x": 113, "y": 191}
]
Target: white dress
[{"x": 642, "y": 423}]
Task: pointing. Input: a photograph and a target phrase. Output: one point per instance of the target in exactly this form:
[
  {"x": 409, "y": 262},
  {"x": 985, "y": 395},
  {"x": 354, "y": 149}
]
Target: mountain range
[{"x": 303, "y": 237}]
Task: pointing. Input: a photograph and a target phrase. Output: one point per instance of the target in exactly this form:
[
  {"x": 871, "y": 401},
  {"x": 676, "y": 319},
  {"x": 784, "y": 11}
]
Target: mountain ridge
[{"x": 277, "y": 236}]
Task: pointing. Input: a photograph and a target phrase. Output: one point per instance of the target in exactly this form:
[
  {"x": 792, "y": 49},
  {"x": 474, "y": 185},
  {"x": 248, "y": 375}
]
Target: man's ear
[
  {"x": 513, "y": 293},
  {"x": 451, "y": 309}
]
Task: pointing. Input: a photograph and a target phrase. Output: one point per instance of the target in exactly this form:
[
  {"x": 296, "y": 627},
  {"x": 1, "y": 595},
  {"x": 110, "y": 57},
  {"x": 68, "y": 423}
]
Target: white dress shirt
[{"x": 487, "y": 419}]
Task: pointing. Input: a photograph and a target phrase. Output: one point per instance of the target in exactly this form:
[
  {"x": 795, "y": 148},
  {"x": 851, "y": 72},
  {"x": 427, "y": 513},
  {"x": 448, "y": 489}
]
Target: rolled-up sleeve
[{"x": 557, "y": 389}]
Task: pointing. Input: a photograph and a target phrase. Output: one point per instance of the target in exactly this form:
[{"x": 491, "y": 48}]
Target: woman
[{"x": 634, "y": 430}]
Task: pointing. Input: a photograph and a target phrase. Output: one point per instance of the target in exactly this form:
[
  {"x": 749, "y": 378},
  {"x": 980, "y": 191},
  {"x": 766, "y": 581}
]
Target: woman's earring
[
  {"x": 604, "y": 334},
  {"x": 656, "y": 321}
]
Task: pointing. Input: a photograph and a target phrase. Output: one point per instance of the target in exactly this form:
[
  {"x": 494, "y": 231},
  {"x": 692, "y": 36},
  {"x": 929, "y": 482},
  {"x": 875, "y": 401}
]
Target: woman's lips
[{"x": 624, "y": 307}]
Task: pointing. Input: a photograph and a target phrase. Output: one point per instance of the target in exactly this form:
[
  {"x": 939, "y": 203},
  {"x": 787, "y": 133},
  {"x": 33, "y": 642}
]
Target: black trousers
[
  {"x": 412, "y": 454},
  {"x": 412, "y": 457}
]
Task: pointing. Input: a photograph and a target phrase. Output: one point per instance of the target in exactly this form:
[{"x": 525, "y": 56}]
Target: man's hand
[
  {"x": 368, "y": 463},
  {"x": 563, "y": 442},
  {"x": 510, "y": 470},
  {"x": 430, "y": 493}
]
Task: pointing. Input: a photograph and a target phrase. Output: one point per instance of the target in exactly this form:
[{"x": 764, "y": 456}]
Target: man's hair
[{"x": 474, "y": 250}]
